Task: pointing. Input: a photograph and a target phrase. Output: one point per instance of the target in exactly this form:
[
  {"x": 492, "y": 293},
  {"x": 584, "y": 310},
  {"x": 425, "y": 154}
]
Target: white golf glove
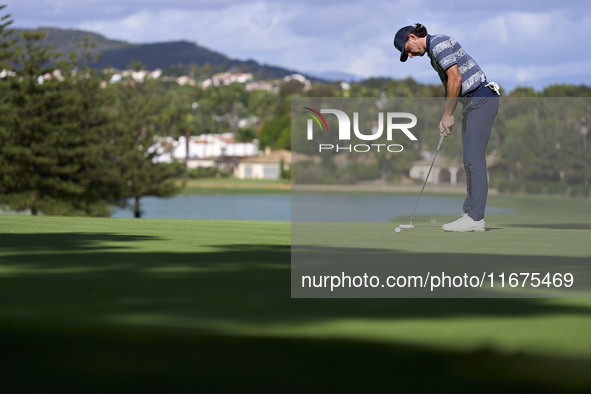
[{"x": 494, "y": 87}]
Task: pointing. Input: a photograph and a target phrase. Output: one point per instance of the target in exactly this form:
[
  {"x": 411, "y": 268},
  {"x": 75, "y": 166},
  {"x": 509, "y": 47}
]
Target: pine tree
[
  {"x": 93, "y": 145},
  {"x": 53, "y": 137},
  {"x": 139, "y": 111},
  {"x": 6, "y": 56},
  {"x": 6, "y": 46}
]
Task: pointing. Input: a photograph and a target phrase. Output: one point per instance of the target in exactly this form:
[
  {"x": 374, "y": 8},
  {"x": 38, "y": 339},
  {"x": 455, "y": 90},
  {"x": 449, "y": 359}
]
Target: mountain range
[{"x": 120, "y": 54}]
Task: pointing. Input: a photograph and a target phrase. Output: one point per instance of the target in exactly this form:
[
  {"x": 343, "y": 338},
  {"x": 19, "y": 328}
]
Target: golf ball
[{"x": 397, "y": 229}]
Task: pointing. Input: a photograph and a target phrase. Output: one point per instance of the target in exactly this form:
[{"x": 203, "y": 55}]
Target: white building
[
  {"x": 252, "y": 121},
  {"x": 115, "y": 78},
  {"x": 444, "y": 171},
  {"x": 300, "y": 78},
  {"x": 227, "y": 78},
  {"x": 185, "y": 80},
  {"x": 7, "y": 73},
  {"x": 264, "y": 167},
  {"x": 207, "y": 83},
  {"x": 260, "y": 85},
  {"x": 204, "y": 150},
  {"x": 56, "y": 74},
  {"x": 138, "y": 76},
  {"x": 155, "y": 74}
]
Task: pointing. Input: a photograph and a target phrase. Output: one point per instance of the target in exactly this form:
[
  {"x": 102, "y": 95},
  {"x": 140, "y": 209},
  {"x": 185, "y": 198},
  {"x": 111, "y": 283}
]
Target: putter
[{"x": 427, "y": 177}]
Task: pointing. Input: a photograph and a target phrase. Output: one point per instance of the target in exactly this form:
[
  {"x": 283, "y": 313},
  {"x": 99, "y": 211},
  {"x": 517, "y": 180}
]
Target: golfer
[{"x": 465, "y": 81}]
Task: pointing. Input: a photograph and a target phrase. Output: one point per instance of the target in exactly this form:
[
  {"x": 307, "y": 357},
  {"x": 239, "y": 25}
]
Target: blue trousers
[{"x": 478, "y": 113}]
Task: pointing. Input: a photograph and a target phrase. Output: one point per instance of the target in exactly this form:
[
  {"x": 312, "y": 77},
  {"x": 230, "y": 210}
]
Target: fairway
[{"x": 126, "y": 304}]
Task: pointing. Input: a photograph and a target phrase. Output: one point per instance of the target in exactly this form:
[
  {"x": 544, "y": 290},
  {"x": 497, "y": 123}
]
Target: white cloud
[
  {"x": 235, "y": 30},
  {"x": 515, "y": 42},
  {"x": 531, "y": 74}
]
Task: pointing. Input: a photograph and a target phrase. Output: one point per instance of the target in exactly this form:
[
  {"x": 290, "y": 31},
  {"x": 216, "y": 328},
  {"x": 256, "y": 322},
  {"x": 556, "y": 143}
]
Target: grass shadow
[
  {"x": 55, "y": 327},
  {"x": 68, "y": 242},
  {"x": 245, "y": 283},
  {"x": 94, "y": 361}
]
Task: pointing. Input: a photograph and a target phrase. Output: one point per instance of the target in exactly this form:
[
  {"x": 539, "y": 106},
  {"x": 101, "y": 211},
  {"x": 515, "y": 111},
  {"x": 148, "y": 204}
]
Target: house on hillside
[
  {"x": 300, "y": 78},
  {"x": 138, "y": 76},
  {"x": 7, "y": 73},
  {"x": 221, "y": 151},
  {"x": 444, "y": 170},
  {"x": 185, "y": 80},
  {"x": 267, "y": 166},
  {"x": 226, "y": 78},
  {"x": 261, "y": 85}
]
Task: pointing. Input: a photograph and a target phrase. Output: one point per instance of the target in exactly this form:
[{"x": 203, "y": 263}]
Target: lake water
[{"x": 315, "y": 207}]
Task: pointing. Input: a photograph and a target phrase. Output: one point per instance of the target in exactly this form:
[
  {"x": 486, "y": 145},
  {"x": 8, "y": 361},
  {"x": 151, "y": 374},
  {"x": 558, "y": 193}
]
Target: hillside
[
  {"x": 65, "y": 40},
  {"x": 120, "y": 54}
]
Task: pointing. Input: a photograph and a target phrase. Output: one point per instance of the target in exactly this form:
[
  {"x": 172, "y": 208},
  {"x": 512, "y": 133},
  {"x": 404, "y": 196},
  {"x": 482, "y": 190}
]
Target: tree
[
  {"x": 206, "y": 70},
  {"x": 139, "y": 109},
  {"x": 183, "y": 111},
  {"x": 6, "y": 46},
  {"x": 136, "y": 65},
  {"x": 276, "y": 133},
  {"x": 291, "y": 88},
  {"x": 53, "y": 155},
  {"x": 96, "y": 131},
  {"x": 227, "y": 102},
  {"x": 324, "y": 90},
  {"x": 524, "y": 91}
]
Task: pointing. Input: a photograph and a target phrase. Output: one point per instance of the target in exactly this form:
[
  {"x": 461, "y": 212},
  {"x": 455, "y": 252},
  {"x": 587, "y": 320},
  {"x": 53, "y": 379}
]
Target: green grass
[{"x": 197, "y": 305}]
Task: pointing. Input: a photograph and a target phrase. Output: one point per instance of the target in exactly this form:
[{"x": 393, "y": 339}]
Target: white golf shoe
[{"x": 465, "y": 223}]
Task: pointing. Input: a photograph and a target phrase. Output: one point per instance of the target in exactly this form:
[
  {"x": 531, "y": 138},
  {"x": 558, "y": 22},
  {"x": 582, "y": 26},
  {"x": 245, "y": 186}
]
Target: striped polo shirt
[{"x": 444, "y": 52}]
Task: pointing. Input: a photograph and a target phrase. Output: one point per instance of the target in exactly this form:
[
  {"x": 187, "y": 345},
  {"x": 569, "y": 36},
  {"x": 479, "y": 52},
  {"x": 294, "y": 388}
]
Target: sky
[{"x": 516, "y": 42}]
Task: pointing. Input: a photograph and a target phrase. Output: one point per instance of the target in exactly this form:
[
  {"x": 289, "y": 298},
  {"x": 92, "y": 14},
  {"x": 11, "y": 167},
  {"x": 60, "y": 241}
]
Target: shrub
[
  {"x": 361, "y": 172},
  {"x": 206, "y": 172},
  {"x": 285, "y": 173},
  {"x": 534, "y": 187},
  {"x": 502, "y": 186},
  {"x": 514, "y": 186},
  {"x": 556, "y": 188},
  {"x": 308, "y": 172},
  {"x": 580, "y": 190}
]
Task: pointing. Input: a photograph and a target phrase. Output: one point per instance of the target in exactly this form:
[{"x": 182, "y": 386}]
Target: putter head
[{"x": 406, "y": 226}]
